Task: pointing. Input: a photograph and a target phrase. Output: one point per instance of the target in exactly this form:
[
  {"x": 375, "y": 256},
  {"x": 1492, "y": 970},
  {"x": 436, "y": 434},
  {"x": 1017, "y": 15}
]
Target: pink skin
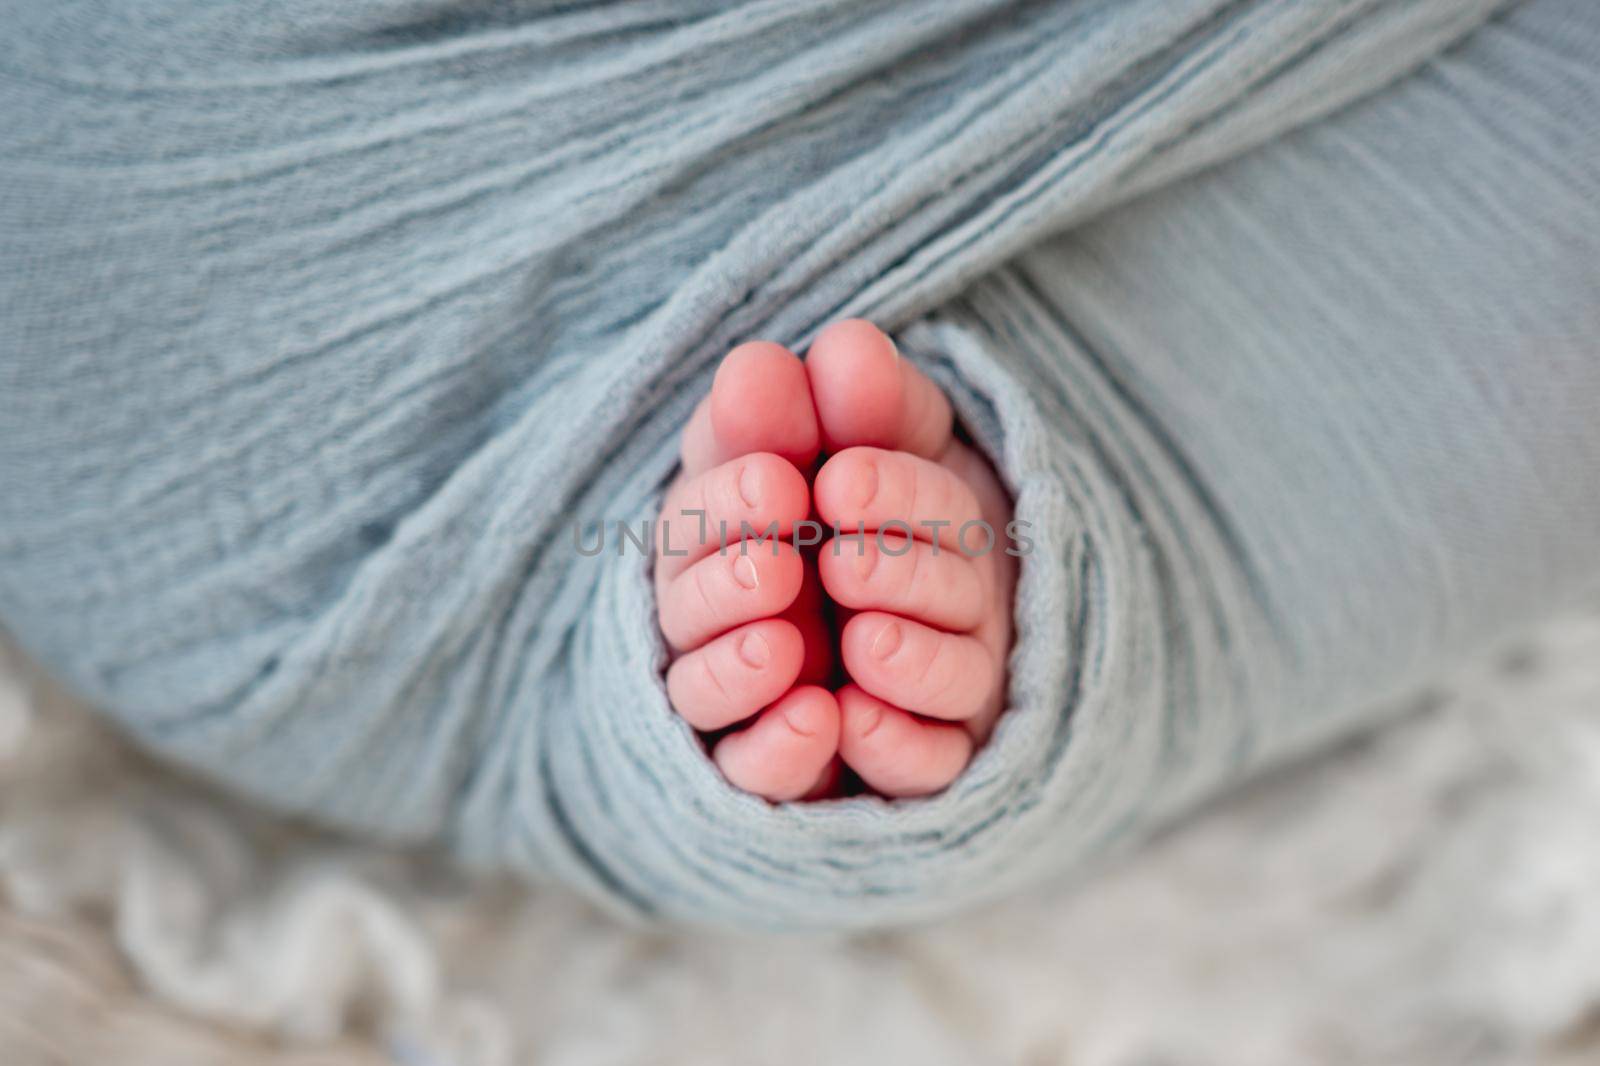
[
  {"x": 926, "y": 644},
  {"x": 747, "y": 627},
  {"x": 926, "y": 625}
]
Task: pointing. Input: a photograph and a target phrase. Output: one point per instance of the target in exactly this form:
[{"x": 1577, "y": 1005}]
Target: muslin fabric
[{"x": 327, "y": 326}]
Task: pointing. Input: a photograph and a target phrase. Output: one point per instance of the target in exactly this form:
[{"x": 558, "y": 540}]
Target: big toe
[
  {"x": 760, "y": 402},
  {"x": 866, "y": 394}
]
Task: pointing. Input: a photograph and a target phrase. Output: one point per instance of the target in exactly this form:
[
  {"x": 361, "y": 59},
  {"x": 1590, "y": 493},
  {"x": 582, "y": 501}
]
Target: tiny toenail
[
  {"x": 797, "y": 722},
  {"x": 869, "y": 721},
  {"x": 887, "y": 640},
  {"x": 749, "y": 489},
  {"x": 866, "y": 483},
  {"x": 866, "y": 562},
  {"x": 755, "y": 650},
  {"x": 744, "y": 572}
]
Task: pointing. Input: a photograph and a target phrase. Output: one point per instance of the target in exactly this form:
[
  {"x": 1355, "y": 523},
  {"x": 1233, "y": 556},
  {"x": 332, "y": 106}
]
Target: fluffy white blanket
[{"x": 1428, "y": 895}]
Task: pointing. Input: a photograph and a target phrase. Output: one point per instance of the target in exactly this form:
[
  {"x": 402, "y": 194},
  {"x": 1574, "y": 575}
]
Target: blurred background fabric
[{"x": 1424, "y": 896}]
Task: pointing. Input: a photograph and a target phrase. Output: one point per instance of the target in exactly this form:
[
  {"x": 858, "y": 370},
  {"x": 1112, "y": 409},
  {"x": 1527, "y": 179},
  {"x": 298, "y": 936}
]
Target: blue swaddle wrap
[{"x": 322, "y": 325}]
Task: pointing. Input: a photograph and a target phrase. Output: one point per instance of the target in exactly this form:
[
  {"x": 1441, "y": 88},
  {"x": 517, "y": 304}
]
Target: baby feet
[
  {"x": 917, "y": 587},
  {"x": 925, "y": 596},
  {"x": 739, "y": 605}
]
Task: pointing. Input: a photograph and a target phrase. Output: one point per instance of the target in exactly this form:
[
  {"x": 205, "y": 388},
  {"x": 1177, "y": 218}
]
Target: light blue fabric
[{"x": 321, "y": 324}]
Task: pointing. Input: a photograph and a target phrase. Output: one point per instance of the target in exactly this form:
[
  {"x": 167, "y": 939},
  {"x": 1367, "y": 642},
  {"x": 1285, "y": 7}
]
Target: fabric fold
[{"x": 324, "y": 334}]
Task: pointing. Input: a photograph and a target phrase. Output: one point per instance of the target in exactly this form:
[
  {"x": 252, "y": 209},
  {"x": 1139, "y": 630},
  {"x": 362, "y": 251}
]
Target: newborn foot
[
  {"x": 746, "y": 621},
  {"x": 925, "y": 594}
]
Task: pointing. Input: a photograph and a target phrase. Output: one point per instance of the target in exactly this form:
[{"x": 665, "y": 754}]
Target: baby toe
[
  {"x": 910, "y": 665},
  {"x": 725, "y": 590},
  {"x": 761, "y": 402},
  {"x": 866, "y": 394},
  {"x": 912, "y": 578},
  {"x": 754, "y": 495},
  {"x": 895, "y": 753},
  {"x": 787, "y": 752},
  {"x": 856, "y": 384},
  {"x": 731, "y": 678},
  {"x": 874, "y": 489}
]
